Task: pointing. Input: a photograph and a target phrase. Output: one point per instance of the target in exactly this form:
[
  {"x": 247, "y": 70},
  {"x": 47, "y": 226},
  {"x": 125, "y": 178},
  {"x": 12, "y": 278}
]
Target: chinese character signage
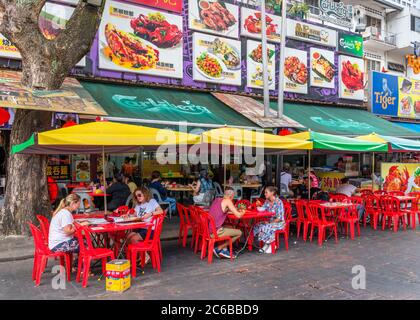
[
  {"x": 336, "y": 12},
  {"x": 140, "y": 40},
  {"x": 59, "y": 172},
  {"x": 170, "y": 5},
  {"x": 311, "y": 33},
  {"x": 395, "y": 96},
  {"x": 216, "y": 59},
  {"x": 350, "y": 44}
]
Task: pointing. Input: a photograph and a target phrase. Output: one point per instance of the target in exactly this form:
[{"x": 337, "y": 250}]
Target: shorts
[
  {"x": 143, "y": 232},
  {"x": 69, "y": 246}
]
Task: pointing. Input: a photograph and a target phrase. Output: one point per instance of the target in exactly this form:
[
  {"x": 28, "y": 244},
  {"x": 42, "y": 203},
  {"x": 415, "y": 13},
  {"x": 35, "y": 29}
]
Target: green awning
[
  {"x": 164, "y": 105},
  {"x": 342, "y": 121}
]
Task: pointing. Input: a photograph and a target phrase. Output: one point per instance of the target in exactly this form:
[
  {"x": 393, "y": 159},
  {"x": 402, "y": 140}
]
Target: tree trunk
[
  {"x": 26, "y": 186},
  {"x": 45, "y": 64}
]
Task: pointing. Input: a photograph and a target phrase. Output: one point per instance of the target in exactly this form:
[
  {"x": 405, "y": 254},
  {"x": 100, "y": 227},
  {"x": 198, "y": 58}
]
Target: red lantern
[{"x": 4, "y": 116}]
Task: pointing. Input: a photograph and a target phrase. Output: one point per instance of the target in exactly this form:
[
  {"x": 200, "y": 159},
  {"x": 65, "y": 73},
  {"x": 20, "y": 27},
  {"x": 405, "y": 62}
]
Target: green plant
[
  {"x": 299, "y": 10},
  {"x": 274, "y": 5}
]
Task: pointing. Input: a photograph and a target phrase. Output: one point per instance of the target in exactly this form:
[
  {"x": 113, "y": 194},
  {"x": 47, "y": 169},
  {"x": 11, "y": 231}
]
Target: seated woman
[
  {"x": 145, "y": 207},
  {"x": 61, "y": 234},
  {"x": 265, "y": 231}
]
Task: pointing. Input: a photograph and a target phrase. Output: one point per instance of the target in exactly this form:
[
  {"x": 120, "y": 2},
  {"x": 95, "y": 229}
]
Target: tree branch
[{"x": 85, "y": 20}]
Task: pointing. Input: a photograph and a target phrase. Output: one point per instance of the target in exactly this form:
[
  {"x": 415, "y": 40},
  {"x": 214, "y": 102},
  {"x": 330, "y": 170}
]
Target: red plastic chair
[
  {"x": 415, "y": 206},
  {"x": 284, "y": 232},
  {"x": 197, "y": 233},
  {"x": 184, "y": 225},
  {"x": 373, "y": 210},
  {"x": 43, "y": 253},
  {"x": 366, "y": 192},
  {"x": 209, "y": 228},
  {"x": 44, "y": 224},
  {"x": 380, "y": 193},
  {"x": 338, "y": 197},
  {"x": 350, "y": 218},
  {"x": 390, "y": 207},
  {"x": 288, "y": 212},
  {"x": 396, "y": 193},
  {"x": 88, "y": 253},
  {"x": 302, "y": 207},
  {"x": 319, "y": 220},
  {"x": 151, "y": 246}
]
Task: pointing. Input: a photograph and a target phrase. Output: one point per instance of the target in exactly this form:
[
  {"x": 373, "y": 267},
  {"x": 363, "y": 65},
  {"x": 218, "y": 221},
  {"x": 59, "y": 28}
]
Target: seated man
[
  {"x": 346, "y": 188},
  {"x": 349, "y": 190},
  {"x": 218, "y": 210}
]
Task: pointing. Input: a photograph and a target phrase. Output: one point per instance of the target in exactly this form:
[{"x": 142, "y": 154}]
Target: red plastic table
[
  {"x": 112, "y": 229},
  {"x": 250, "y": 218}
]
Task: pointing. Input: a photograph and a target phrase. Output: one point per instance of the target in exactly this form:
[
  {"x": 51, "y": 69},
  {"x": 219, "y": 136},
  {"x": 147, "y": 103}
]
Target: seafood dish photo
[
  {"x": 128, "y": 50},
  {"x": 215, "y": 15},
  {"x": 209, "y": 66},
  {"x": 322, "y": 67},
  {"x": 352, "y": 76},
  {"x": 295, "y": 70},
  {"x": 256, "y": 54},
  {"x": 156, "y": 29},
  {"x": 226, "y": 53},
  {"x": 397, "y": 179},
  {"x": 253, "y": 24},
  {"x": 406, "y": 105}
]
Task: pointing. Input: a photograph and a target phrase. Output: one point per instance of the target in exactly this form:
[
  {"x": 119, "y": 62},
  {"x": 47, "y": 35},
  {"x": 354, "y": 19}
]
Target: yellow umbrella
[
  {"x": 255, "y": 139},
  {"x": 95, "y": 137}
]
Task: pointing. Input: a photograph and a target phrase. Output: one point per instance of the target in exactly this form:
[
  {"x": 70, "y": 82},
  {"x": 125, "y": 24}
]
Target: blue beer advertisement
[{"x": 384, "y": 98}]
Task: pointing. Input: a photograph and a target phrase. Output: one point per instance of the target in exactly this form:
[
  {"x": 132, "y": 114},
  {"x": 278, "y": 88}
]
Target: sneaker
[
  {"x": 224, "y": 253},
  {"x": 216, "y": 252},
  {"x": 268, "y": 249}
]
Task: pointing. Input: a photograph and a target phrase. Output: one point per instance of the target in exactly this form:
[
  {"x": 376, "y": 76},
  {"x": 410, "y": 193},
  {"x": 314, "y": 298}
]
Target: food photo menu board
[
  {"x": 140, "y": 40},
  {"x": 254, "y": 65},
  {"x": 351, "y": 78},
  {"x": 216, "y": 59},
  {"x": 214, "y": 16},
  {"x": 296, "y": 71}
]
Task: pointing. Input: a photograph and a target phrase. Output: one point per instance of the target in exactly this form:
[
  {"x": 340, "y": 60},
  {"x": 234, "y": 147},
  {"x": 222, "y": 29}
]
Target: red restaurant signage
[{"x": 170, "y": 5}]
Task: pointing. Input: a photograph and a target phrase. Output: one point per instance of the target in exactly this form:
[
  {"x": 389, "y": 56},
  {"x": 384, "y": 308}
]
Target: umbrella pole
[
  {"x": 309, "y": 174},
  {"x": 104, "y": 178},
  {"x": 373, "y": 171}
]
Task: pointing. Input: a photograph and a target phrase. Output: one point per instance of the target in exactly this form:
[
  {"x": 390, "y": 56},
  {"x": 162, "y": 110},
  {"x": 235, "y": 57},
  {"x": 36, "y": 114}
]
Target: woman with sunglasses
[{"x": 145, "y": 207}]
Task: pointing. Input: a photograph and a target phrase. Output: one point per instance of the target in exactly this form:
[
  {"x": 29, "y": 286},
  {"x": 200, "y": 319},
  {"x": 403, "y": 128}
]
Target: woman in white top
[
  {"x": 145, "y": 207},
  {"x": 61, "y": 234}
]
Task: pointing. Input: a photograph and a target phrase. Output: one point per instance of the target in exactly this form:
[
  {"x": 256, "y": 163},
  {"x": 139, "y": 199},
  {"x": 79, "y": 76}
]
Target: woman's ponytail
[{"x": 65, "y": 202}]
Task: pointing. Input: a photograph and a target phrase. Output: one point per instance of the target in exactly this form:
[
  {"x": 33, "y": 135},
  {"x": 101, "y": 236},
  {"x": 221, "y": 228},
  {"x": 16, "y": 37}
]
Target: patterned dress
[{"x": 265, "y": 231}]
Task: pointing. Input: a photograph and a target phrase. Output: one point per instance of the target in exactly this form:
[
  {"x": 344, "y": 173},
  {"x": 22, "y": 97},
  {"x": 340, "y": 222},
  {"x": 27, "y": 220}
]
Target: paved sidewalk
[
  {"x": 306, "y": 271},
  {"x": 15, "y": 248}
]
